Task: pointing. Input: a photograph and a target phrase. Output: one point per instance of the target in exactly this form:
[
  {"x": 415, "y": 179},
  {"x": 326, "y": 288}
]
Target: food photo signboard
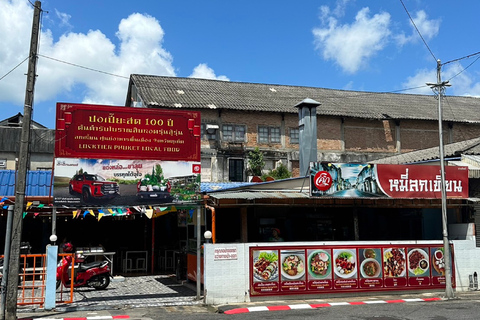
[{"x": 320, "y": 269}]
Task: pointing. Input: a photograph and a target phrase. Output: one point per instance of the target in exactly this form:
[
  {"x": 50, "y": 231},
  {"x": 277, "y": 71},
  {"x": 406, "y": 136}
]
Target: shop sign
[
  {"x": 108, "y": 132},
  {"x": 386, "y": 180},
  {"x": 331, "y": 269},
  {"x": 225, "y": 254},
  {"x": 112, "y": 182}
]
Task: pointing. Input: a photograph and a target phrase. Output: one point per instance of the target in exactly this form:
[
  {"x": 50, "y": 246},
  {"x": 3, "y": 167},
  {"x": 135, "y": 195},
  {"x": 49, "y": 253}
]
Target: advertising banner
[
  {"x": 327, "y": 269},
  {"x": 100, "y": 182},
  {"x": 386, "y": 180},
  {"x": 108, "y": 132}
]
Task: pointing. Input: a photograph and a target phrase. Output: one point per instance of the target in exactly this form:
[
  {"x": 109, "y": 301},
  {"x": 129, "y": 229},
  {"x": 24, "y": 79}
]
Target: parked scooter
[{"x": 94, "y": 274}]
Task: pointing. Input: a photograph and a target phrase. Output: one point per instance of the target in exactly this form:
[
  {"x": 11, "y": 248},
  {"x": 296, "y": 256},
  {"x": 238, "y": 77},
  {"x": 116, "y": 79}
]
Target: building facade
[
  {"x": 351, "y": 126},
  {"x": 42, "y": 142}
]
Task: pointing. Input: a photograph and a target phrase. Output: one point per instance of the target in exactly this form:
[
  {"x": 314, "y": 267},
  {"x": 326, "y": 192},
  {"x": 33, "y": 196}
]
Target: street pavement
[
  {"x": 145, "y": 291},
  {"x": 136, "y": 296}
]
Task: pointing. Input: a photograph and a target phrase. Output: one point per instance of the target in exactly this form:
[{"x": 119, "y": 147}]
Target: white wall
[
  {"x": 466, "y": 259},
  {"x": 227, "y": 281}
]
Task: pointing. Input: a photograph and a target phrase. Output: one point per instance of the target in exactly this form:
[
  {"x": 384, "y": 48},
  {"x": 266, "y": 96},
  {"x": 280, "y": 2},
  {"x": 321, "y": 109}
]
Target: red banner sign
[
  {"x": 107, "y": 132},
  {"x": 419, "y": 181},
  {"x": 386, "y": 180}
]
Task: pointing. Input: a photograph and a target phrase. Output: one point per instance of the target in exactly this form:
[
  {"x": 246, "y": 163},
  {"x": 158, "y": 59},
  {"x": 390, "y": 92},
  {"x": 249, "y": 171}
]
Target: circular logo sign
[{"x": 323, "y": 180}]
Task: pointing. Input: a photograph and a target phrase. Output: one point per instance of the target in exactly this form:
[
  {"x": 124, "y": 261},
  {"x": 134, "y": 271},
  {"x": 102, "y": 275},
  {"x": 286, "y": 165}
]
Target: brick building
[{"x": 351, "y": 126}]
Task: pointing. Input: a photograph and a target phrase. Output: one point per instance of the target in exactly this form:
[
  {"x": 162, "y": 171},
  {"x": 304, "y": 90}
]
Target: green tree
[
  {"x": 281, "y": 172},
  {"x": 255, "y": 162}
]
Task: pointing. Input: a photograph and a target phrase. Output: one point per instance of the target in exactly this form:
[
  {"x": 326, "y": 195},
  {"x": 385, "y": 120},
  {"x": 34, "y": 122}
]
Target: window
[
  {"x": 208, "y": 131},
  {"x": 233, "y": 132},
  {"x": 294, "y": 136},
  {"x": 235, "y": 170},
  {"x": 269, "y": 134}
]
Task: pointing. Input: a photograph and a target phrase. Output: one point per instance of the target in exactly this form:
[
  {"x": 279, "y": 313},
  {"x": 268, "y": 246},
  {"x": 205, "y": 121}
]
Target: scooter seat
[{"x": 95, "y": 264}]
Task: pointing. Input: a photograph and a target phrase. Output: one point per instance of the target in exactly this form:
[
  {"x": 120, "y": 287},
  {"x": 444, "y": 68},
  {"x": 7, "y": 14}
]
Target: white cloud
[
  {"x": 463, "y": 83},
  {"x": 427, "y": 28},
  {"x": 140, "y": 50},
  {"x": 203, "y": 71},
  {"x": 64, "y": 18},
  {"x": 352, "y": 45}
]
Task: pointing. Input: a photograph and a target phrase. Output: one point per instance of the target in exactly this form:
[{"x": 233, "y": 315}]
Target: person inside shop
[{"x": 275, "y": 235}]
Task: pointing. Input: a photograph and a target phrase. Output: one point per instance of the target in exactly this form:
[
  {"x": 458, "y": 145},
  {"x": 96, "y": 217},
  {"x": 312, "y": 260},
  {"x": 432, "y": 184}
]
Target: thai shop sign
[
  {"x": 281, "y": 270},
  {"x": 108, "y": 132},
  {"x": 386, "y": 180},
  {"x": 101, "y": 182}
]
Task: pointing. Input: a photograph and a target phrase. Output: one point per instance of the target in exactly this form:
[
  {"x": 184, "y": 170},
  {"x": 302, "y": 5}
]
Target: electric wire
[
  {"x": 418, "y": 31},
  {"x": 18, "y": 65},
  {"x": 83, "y": 67},
  {"x": 464, "y": 69}
]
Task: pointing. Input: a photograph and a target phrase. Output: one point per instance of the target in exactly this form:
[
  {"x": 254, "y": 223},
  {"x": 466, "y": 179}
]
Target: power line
[
  {"x": 466, "y": 57},
  {"x": 464, "y": 68},
  {"x": 83, "y": 67},
  {"x": 426, "y": 45},
  {"x": 18, "y": 65}
]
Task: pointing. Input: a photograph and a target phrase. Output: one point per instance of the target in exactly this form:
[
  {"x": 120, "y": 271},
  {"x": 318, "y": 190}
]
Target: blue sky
[{"x": 343, "y": 44}]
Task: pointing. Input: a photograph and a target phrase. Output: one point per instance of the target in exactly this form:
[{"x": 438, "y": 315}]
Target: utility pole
[
  {"x": 20, "y": 184},
  {"x": 439, "y": 89}
]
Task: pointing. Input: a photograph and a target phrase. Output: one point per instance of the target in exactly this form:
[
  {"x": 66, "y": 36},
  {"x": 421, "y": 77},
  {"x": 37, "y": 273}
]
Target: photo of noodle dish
[
  {"x": 394, "y": 264},
  {"x": 319, "y": 264},
  {"x": 370, "y": 268},
  {"x": 265, "y": 266},
  {"x": 293, "y": 265},
  {"x": 417, "y": 262},
  {"x": 345, "y": 263}
]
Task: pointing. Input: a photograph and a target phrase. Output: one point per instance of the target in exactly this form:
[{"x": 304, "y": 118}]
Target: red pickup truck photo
[{"x": 93, "y": 186}]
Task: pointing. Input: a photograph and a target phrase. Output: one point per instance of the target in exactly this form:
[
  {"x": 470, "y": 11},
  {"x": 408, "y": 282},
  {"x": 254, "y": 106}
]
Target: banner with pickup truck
[{"x": 102, "y": 182}]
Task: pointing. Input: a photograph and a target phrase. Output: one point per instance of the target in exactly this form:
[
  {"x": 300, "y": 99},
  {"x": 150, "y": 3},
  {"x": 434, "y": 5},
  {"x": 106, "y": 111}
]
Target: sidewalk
[
  {"x": 133, "y": 292},
  {"x": 164, "y": 291}
]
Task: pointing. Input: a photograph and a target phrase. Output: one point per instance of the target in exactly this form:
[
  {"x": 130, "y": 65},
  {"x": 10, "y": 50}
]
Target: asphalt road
[{"x": 438, "y": 310}]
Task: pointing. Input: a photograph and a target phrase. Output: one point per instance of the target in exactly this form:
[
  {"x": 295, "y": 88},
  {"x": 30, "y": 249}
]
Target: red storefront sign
[
  {"x": 418, "y": 181},
  {"x": 311, "y": 269},
  {"x": 386, "y": 180},
  {"x": 107, "y": 132}
]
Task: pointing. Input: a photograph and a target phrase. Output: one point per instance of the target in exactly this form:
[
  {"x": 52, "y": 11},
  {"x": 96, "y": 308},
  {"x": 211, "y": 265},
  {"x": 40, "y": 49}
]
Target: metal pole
[
  {"x": 446, "y": 245},
  {"x": 20, "y": 184},
  {"x": 54, "y": 223},
  {"x": 199, "y": 252},
  {"x": 6, "y": 259}
]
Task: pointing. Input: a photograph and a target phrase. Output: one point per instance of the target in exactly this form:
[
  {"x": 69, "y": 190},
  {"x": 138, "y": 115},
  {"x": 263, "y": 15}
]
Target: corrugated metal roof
[
  {"x": 38, "y": 183},
  {"x": 456, "y": 149},
  {"x": 216, "y": 186},
  {"x": 246, "y": 195},
  {"x": 192, "y": 93}
]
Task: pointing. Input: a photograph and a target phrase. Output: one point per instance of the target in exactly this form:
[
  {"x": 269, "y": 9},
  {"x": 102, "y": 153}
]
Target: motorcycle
[{"x": 93, "y": 274}]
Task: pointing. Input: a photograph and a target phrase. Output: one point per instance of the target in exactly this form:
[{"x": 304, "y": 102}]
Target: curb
[{"x": 323, "y": 305}]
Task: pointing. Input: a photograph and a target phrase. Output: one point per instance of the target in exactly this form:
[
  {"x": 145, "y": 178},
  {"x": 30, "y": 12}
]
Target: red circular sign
[{"x": 322, "y": 180}]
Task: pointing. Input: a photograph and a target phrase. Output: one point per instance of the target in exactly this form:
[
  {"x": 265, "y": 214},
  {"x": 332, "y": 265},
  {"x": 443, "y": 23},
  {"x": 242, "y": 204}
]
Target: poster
[{"x": 277, "y": 270}]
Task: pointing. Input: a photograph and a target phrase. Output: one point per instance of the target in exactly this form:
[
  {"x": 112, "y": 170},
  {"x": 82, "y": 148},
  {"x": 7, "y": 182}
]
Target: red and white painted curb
[
  {"x": 323, "y": 305},
  {"x": 85, "y": 318}
]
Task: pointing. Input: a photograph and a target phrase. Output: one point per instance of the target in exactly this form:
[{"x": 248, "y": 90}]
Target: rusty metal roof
[{"x": 192, "y": 93}]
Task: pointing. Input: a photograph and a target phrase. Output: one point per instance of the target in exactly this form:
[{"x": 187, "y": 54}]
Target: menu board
[{"x": 317, "y": 269}]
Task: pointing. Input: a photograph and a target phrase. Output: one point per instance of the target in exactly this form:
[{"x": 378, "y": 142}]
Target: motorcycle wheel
[
  {"x": 59, "y": 282},
  {"x": 100, "y": 282}
]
